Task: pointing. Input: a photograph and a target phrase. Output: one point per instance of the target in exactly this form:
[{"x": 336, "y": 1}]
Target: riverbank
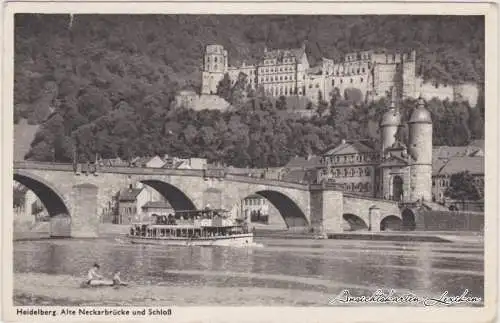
[{"x": 62, "y": 290}]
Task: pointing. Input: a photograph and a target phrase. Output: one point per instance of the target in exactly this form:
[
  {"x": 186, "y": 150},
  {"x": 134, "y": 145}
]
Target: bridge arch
[
  {"x": 289, "y": 210},
  {"x": 352, "y": 222},
  {"x": 408, "y": 220},
  {"x": 51, "y": 197},
  {"x": 391, "y": 222},
  {"x": 176, "y": 197}
]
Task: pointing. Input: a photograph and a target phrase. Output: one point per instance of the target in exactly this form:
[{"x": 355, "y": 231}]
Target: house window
[
  {"x": 317, "y": 85},
  {"x": 341, "y": 81},
  {"x": 345, "y": 172},
  {"x": 361, "y": 80},
  {"x": 215, "y": 59},
  {"x": 367, "y": 171},
  {"x": 333, "y": 82},
  {"x": 286, "y": 77},
  {"x": 310, "y": 86},
  {"x": 351, "y": 80}
]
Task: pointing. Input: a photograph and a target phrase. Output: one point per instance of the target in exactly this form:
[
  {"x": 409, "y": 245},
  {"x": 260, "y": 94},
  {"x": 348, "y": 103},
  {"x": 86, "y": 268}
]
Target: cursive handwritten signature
[{"x": 391, "y": 297}]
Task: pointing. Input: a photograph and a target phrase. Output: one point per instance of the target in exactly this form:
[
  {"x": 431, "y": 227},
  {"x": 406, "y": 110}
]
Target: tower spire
[{"x": 394, "y": 105}]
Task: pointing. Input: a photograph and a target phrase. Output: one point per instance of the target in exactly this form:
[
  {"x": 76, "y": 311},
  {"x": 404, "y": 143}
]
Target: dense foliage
[
  {"x": 259, "y": 134},
  {"x": 105, "y": 84},
  {"x": 462, "y": 187}
]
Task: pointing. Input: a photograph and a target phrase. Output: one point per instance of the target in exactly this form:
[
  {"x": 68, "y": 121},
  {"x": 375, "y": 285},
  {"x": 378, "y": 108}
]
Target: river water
[{"x": 281, "y": 271}]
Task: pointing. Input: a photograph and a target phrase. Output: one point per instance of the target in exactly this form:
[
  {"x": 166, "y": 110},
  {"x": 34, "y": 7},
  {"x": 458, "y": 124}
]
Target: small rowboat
[{"x": 101, "y": 283}]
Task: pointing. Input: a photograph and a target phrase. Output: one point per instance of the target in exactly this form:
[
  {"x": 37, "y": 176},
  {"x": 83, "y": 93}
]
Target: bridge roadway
[{"x": 84, "y": 196}]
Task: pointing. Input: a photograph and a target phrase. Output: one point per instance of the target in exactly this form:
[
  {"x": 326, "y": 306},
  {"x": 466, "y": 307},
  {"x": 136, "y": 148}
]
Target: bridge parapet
[{"x": 267, "y": 182}]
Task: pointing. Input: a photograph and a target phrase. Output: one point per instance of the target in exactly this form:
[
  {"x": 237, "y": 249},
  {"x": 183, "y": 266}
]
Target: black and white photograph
[{"x": 274, "y": 160}]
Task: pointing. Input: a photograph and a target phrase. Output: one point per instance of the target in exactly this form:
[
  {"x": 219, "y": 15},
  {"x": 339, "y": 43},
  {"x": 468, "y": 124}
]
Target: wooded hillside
[{"x": 109, "y": 81}]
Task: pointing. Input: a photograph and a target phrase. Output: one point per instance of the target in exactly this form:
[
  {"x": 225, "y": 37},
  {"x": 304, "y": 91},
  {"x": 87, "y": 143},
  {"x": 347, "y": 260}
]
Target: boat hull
[{"x": 237, "y": 240}]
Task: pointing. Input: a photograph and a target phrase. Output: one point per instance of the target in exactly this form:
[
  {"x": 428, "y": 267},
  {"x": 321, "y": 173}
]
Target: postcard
[{"x": 249, "y": 161}]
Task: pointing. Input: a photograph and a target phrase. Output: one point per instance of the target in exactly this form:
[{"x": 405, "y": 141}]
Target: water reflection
[{"x": 327, "y": 266}]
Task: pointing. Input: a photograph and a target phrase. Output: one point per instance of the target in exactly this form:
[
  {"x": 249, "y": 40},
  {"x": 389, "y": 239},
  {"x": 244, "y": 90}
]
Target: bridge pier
[
  {"x": 326, "y": 210},
  {"x": 83, "y": 211},
  {"x": 374, "y": 219}
]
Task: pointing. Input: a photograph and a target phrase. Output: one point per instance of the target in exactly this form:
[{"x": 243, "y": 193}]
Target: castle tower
[
  {"x": 389, "y": 124},
  {"x": 409, "y": 76},
  {"x": 214, "y": 67},
  {"x": 420, "y": 148}
]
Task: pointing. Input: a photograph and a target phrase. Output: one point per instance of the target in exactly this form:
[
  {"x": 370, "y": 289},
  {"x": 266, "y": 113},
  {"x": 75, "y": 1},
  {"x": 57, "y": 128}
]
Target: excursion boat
[{"x": 192, "y": 228}]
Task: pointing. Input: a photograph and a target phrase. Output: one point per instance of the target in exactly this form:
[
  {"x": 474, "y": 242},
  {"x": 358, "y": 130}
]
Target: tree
[
  {"x": 224, "y": 88},
  {"x": 322, "y": 104},
  {"x": 238, "y": 92},
  {"x": 462, "y": 187},
  {"x": 281, "y": 103}
]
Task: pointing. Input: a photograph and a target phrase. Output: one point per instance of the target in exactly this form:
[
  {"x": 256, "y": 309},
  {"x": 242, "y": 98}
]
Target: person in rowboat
[
  {"x": 93, "y": 274},
  {"x": 117, "y": 280}
]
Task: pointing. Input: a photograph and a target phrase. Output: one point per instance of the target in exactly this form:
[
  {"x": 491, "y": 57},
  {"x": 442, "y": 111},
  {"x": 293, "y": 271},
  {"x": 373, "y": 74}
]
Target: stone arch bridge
[{"x": 82, "y": 197}]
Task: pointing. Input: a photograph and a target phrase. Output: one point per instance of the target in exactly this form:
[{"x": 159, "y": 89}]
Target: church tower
[
  {"x": 214, "y": 68},
  {"x": 420, "y": 148}
]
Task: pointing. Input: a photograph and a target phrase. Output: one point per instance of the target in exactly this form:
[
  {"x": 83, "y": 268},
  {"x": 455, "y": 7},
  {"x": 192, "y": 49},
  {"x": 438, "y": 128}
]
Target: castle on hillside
[{"x": 287, "y": 72}]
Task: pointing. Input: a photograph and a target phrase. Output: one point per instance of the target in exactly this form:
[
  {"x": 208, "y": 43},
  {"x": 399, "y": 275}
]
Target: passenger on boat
[{"x": 93, "y": 274}]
